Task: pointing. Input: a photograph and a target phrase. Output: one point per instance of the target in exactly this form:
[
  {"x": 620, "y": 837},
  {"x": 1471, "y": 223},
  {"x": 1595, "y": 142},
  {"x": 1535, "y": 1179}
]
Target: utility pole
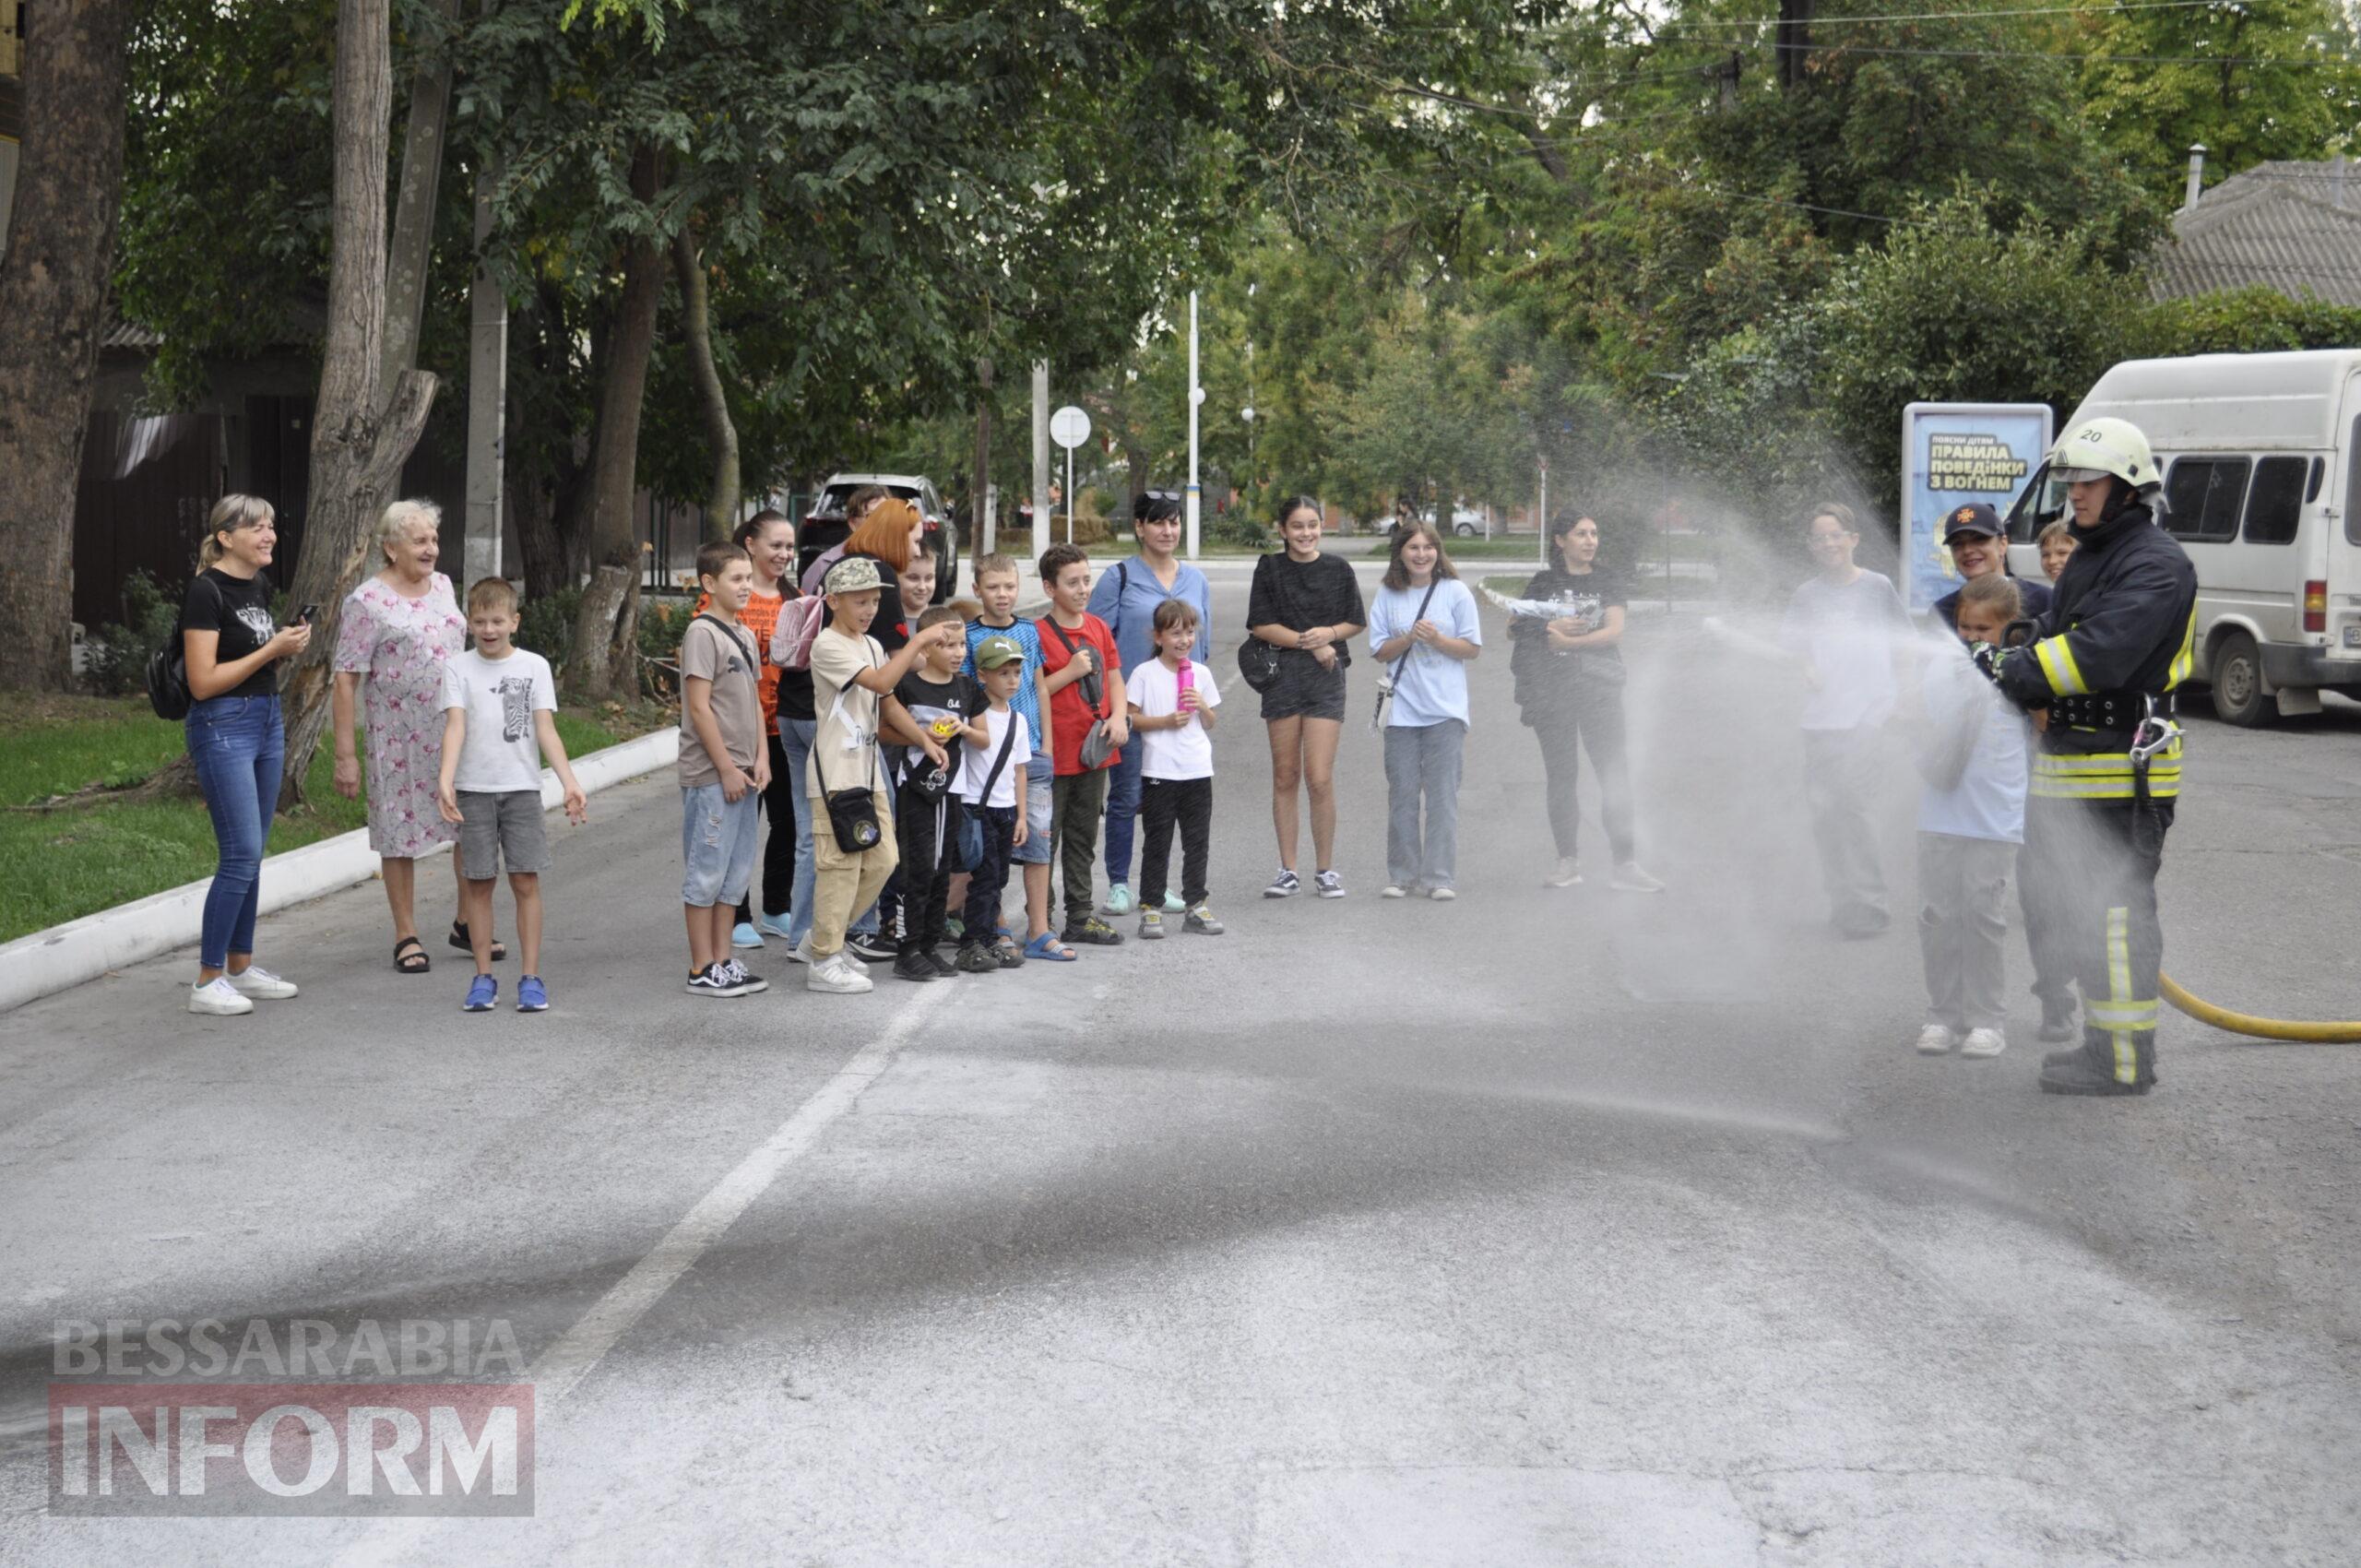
[
  {"x": 487, "y": 403},
  {"x": 1040, "y": 457},
  {"x": 1197, "y": 397},
  {"x": 979, "y": 493}
]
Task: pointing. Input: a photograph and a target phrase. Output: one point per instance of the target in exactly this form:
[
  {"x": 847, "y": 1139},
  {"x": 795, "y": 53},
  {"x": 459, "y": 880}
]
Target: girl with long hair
[
  {"x": 1568, "y": 674},
  {"x": 1308, "y": 605},
  {"x": 1423, "y": 626}
]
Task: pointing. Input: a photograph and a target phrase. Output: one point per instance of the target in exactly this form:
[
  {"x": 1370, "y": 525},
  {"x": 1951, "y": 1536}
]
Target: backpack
[
  {"x": 799, "y": 622},
  {"x": 168, "y": 691}
]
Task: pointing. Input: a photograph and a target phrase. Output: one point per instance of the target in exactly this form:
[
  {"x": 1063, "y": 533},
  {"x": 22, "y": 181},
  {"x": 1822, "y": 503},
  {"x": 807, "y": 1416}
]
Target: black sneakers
[{"x": 914, "y": 966}]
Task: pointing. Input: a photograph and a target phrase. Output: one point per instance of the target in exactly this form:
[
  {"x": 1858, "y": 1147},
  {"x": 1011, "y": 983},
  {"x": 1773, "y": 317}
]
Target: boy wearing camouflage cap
[
  {"x": 851, "y": 678},
  {"x": 993, "y": 784}
]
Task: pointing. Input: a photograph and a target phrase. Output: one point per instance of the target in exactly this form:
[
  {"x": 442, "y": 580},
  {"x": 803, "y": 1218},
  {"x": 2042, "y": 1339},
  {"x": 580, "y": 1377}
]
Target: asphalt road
[{"x": 1542, "y": 1228}]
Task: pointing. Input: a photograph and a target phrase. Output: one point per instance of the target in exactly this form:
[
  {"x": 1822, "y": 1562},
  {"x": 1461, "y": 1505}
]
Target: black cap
[{"x": 1971, "y": 519}]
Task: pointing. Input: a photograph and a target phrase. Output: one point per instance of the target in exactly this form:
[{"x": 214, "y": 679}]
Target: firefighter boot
[
  {"x": 2058, "y": 1019},
  {"x": 2087, "y": 1071}
]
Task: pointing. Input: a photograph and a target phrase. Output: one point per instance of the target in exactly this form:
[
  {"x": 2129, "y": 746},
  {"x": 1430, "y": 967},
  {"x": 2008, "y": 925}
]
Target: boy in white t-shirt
[
  {"x": 993, "y": 782},
  {"x": 500, "y": 720},
  {"x": 1971, "y": 820},
  {"x": 1172, "y": 702}
]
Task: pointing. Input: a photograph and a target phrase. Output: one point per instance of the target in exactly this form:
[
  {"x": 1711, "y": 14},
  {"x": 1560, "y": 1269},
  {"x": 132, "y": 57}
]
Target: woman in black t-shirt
[
  {"x": 1308, "y": 605},
  {"x": 1568, "y": 674},
  {"x": 231, "y": 648}
]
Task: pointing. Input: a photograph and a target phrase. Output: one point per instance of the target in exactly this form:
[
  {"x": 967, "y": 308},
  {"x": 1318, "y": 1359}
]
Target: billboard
[{"x": 1953, "y": 455}]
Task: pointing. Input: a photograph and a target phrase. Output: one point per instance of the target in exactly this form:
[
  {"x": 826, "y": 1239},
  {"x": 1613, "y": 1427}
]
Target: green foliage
[
  {"x": 116, "y": 663},
  {"x": 2251, "y": 79},
  {"x": 2244, "y": 321},
  {"x": 545, "y": 626}
]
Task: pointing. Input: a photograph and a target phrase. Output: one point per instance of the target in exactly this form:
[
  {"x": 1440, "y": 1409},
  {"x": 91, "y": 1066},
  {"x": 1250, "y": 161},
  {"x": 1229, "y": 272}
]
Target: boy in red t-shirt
[{"x": 1082, "y": 678}]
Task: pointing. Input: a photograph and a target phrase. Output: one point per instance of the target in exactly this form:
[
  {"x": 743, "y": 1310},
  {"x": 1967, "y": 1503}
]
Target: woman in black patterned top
[{"x": 1308, "y": 605}]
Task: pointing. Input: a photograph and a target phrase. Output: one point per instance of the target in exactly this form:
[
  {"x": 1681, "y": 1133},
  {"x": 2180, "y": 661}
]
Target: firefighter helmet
[{"x": 2101, "y": 447}]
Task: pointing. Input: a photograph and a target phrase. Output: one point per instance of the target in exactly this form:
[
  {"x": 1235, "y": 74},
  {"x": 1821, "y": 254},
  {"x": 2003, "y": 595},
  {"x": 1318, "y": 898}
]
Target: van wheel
[{"x": 2238, "y": 696}]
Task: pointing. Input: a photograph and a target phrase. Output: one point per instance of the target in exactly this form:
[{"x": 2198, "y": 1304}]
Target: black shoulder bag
[
  {"x": 971, "y": 826},
  {"x": 852, "y": 813}
]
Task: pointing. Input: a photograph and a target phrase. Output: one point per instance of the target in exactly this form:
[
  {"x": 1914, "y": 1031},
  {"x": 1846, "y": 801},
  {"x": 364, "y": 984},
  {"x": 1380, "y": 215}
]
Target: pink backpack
[{"x": 799, "y": 622}]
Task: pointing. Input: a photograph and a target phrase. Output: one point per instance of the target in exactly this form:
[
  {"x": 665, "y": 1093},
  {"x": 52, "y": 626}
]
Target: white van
[{"x": 2262, "y": 458}]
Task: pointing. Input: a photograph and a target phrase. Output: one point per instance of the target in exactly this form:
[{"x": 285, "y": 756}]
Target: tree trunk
[
  {"x": 697, "y": 316},
  {"x": 413, "y": 242},
  {"x": 980, "y": 491},
  {"x": 362, "y": 432},
  {"x": 606, "y": 635},
  {"x": 53, "y": 302}
]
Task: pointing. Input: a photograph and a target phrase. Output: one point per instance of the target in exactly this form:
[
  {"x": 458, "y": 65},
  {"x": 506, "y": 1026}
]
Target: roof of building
[{"x": 2293, "y": 227}]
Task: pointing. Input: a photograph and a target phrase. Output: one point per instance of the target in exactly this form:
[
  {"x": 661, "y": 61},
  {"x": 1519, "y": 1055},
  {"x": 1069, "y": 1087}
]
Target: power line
[{"x": 2342, "y": 63}]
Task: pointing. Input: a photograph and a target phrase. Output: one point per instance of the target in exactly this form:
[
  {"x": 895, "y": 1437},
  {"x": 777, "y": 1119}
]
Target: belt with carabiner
[{"x": 2153, "y": 734}]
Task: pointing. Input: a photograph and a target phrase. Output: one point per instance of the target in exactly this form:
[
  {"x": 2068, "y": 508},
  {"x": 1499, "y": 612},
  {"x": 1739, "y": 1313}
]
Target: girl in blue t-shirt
[{"x": 1422, "y": 627}]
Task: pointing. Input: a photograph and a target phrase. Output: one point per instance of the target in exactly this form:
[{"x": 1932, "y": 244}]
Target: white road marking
[{"x": 566, "y": 1363}]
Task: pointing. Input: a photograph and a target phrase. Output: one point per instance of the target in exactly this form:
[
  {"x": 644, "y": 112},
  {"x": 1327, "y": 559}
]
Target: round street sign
[{"x": 1069, "y": 427}]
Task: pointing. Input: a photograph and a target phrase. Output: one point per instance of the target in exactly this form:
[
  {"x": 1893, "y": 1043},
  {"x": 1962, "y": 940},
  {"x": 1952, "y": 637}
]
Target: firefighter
[{"x": 2104, "y": 664}]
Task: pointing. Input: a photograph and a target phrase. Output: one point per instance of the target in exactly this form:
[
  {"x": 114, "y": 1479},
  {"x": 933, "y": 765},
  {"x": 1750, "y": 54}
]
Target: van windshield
[{"x": 2040, "y": 504}]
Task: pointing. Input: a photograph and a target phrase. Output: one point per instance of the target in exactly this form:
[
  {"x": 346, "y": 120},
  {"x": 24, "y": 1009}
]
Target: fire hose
[{"x": 2204, "y": 1012}]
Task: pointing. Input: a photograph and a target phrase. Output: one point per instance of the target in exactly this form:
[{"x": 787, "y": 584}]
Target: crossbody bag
[
  {"x": 1097, "y": 745},
  {"x": 971, "y": 826},
  {"x": 852, "y": 813},
  {"x": 1385, "y": 682}
]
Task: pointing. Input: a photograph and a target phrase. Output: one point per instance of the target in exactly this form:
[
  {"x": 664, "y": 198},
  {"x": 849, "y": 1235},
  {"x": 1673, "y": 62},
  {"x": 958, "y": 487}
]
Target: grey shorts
[
  {"x": 501, "y": 826},
  {"x": 1036, "y": 848}
]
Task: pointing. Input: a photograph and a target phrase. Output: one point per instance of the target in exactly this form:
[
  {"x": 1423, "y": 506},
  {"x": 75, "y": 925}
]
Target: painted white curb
[{"x": 64, "y": 955}]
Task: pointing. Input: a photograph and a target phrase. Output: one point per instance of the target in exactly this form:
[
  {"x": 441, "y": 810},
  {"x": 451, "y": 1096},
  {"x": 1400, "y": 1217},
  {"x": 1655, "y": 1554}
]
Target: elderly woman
[{"x": 396, "y": 629}]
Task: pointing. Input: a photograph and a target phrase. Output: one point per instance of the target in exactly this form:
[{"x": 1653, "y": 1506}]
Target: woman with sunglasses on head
[
  {"x": 1569, "y": 674},
  {"x": 230, "y": 647}
]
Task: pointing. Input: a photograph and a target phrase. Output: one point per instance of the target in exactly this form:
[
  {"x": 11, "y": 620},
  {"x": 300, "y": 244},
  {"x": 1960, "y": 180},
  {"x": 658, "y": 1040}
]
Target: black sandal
[
  {"x": 460, "y": 940},
  {"x": 415, "y": 950}
]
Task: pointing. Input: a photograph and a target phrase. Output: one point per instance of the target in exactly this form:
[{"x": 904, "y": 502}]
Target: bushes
[
  {"x": 116, "y": 663},
  {"x": 546, "y": 625}
]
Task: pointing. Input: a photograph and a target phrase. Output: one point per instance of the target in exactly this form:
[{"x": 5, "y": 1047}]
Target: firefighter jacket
[{"x": 2120, "y": 631}]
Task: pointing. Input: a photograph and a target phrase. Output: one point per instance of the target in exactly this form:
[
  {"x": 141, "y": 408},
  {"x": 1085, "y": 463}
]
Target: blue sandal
[{"x": 1047, "y": 946}]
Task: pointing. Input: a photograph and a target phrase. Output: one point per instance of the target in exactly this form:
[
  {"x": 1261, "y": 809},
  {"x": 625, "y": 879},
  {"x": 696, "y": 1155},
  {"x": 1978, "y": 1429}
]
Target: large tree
[{"x": 52, "y": 304}]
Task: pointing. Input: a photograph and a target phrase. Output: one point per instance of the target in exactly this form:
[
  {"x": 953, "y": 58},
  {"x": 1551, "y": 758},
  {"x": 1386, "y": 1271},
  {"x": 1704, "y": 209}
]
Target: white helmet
[{"x": 2095, "y": 448}]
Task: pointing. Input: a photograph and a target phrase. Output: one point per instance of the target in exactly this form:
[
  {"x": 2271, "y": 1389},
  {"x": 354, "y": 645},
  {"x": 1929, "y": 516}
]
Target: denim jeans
[
  {"x": 795, "y": 736},
  {"x": 1422, "y": 761},
  {"x": 238, "y": 746},
  {"x": 1122, "y": 811}
]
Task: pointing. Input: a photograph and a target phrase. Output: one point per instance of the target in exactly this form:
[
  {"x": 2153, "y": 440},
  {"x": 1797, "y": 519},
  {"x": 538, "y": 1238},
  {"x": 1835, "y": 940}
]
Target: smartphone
[{"x": 305, "y": 613}]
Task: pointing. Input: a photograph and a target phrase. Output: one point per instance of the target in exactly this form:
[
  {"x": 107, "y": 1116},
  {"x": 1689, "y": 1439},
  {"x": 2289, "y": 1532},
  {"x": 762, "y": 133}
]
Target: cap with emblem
[
  {"x": 993, "y": 652},
  {"x": 1972, "y": 522}
]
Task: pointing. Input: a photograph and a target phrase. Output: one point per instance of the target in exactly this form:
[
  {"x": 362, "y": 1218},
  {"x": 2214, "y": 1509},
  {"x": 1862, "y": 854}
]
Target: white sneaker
[
  {"x": 1395, "y": 890},
  {"x": 1568, "y": 874},
  {"x": 1984, "y": 1042},
  {"x": 1630, "y": 878},
  {"x": 218, "y": 997},
  {"x": 838, "y": 975},
  {"x": 1442, "y": 895},
  {"x": 802, "y": 953},
  {"x": 260, "y": 985},
  {"x": 1935, "y": 1040}
]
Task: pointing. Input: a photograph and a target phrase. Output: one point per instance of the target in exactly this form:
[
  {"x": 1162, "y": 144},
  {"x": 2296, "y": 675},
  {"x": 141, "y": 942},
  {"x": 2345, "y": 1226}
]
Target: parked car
[
  {"x": 823, "y": 526},
  {"x": 2262, "y": 458},
  {"x": 1467, "y": 522}
]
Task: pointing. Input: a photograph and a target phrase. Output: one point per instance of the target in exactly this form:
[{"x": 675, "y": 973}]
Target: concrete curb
[{"x": 64, "y": 956}]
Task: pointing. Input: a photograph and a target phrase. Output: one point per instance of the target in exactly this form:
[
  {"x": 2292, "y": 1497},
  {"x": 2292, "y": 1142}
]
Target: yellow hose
[{"x": 2261, "y": 1028}]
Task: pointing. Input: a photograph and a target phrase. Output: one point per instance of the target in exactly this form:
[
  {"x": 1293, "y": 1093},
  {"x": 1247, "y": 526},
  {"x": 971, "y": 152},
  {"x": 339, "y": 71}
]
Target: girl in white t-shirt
[{"x": 1172, "y": 702}]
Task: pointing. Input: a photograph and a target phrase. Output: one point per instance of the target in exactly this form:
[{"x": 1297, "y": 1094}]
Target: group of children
[{"x": 932, "y": 770}]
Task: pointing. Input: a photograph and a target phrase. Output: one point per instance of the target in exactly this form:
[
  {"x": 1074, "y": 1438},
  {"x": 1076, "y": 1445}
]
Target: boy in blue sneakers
[{"x": 500, "y": 718}]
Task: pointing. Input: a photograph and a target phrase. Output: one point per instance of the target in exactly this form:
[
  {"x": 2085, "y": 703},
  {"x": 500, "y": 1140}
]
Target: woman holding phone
[
  {"x": 1307, "y": 604},
  {"x": 231, "y": 648}
]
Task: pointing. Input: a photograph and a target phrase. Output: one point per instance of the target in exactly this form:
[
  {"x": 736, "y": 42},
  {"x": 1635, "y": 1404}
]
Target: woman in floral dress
[{"x": 396, "y": 629}]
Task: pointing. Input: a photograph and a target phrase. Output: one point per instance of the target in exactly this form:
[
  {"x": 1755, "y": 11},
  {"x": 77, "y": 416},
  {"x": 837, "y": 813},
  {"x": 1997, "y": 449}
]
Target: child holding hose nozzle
[{"x": 1971, "y": 819}]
